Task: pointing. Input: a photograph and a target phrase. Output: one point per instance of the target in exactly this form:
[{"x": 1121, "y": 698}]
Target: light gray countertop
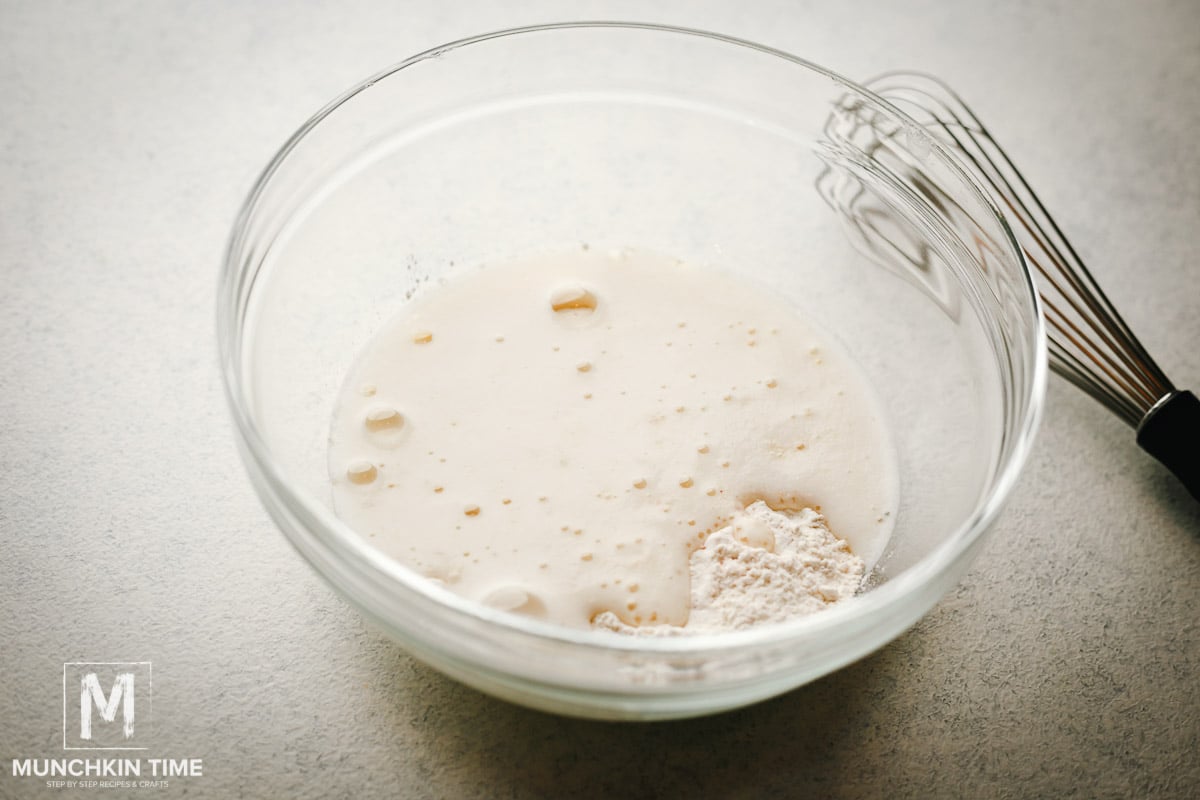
[{"x": 1065, "y": 663}]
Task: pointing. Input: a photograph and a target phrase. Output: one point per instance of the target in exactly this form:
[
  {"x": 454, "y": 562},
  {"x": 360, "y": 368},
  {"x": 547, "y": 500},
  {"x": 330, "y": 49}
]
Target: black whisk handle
[{"x": 1170, "y": 432}]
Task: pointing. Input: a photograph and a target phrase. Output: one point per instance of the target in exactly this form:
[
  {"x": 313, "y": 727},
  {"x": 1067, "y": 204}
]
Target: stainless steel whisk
[{"x": 1089, "y": 344}]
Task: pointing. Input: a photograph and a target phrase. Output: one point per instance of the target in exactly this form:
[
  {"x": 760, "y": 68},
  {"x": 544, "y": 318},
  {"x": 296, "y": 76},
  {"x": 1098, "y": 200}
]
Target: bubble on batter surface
[{"x": 362, "y": 472}]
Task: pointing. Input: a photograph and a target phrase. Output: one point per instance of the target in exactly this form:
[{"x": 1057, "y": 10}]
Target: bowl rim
[{"x": 339, "y": 538}]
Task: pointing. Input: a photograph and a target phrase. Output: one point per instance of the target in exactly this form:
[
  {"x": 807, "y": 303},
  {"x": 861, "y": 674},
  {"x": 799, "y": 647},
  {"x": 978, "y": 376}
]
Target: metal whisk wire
[{"x": 1089, "y": 343}]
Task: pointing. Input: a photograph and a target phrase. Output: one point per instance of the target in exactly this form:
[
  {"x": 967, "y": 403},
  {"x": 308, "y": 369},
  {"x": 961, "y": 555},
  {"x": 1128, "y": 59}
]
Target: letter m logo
[
  {"x": 122, "y": 689},
  {"x": 112, "y": 701}
]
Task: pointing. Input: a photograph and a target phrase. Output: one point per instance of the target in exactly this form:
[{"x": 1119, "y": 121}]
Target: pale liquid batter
[{"x": 555, "y": 436}]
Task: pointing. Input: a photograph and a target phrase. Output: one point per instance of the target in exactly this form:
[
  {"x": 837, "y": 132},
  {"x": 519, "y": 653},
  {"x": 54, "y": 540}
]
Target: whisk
[{"x": 1088, "y": 342}]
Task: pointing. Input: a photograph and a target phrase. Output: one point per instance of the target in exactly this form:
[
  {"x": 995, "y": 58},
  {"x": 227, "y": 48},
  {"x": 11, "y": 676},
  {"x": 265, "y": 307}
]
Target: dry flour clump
[{"x": 765, "y": 567}]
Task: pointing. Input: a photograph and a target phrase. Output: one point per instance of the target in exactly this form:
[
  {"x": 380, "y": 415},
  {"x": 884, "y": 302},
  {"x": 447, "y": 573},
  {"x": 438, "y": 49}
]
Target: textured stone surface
[{"x": 1064, "y": 665}]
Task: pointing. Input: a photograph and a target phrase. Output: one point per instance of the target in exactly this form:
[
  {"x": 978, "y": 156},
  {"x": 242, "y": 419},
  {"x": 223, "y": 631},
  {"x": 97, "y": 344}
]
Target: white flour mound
[{"x": 765, "y": 567}]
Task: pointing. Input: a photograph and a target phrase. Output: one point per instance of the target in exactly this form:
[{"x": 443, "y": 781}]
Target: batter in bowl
[{"x": 556, "y": 436}]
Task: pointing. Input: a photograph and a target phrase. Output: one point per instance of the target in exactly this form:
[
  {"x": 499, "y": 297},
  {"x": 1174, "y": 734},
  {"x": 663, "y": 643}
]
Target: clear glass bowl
[{"x": 716, "y": 151}]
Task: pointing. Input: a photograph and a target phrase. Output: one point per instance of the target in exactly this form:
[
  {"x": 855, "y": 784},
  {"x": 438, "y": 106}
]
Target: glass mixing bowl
[{"x": 711, "y": 149}]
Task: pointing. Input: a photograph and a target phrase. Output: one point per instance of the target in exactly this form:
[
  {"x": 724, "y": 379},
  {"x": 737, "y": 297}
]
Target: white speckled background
[{"x": 1065, "y": 664}]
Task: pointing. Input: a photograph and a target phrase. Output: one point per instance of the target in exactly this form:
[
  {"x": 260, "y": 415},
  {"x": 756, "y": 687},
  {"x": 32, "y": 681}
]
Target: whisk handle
[{"x": 1170, "y": 432}]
